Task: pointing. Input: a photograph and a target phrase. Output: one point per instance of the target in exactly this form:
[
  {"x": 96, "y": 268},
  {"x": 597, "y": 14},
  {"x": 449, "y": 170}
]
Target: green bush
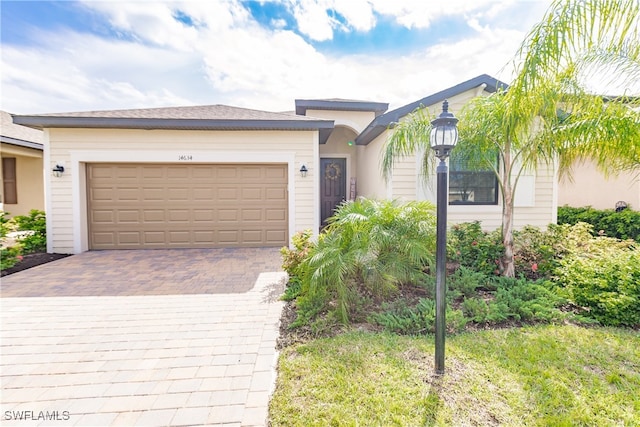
[
  {"x": 601, "y": 275},
  {"x": 622, "y": 225},
  {"x": 536, "y": 251},
  {"x": 10, "y": 257},
  {"x": 464, "y": 283},
  {"x": 474, "y": 248},
  {"x": 420, "y": 319},
  {"x": 293, "y": 258},
  {"x": 4, "y": 224},
  {"x": 369, "y": 248},
  {"x": 36, "y": 224}
]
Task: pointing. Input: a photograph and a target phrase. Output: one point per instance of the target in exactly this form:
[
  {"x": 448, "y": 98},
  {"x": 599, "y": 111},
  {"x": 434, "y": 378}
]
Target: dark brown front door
[{"x": 333, "y": 186}]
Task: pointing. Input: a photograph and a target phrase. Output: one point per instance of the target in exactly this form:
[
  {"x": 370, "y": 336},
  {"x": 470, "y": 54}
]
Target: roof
[
  {"x": 384, "y": 121},
  {"x": 206, "y": 117},
  {"x": 337, "y": 104},
  {"x": 22, "y": 136}
]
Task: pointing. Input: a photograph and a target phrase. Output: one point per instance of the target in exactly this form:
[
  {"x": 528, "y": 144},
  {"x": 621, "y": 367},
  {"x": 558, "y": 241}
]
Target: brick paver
[{"x": 138, "y": 348}]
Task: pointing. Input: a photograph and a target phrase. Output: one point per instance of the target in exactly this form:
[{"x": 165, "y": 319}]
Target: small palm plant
[{"x": 369, "y": 248}]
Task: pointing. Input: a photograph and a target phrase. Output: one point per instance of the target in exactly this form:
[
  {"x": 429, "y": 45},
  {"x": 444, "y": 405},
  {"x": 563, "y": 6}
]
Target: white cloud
[
  {"x": 226, "y": 57},
  {"x": 313, "y": 20}
]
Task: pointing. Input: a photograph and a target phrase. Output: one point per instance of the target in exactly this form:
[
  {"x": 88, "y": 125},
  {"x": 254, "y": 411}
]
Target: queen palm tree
[{"x": 548, "y": 115}]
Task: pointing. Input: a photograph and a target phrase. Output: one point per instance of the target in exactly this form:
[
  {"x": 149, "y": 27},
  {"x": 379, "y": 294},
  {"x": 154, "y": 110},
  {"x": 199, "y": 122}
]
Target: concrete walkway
[{"x": 144, "y": 359}]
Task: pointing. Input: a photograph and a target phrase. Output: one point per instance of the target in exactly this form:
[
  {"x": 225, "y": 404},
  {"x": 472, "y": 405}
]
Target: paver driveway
[{"x": 162, "y": 337}]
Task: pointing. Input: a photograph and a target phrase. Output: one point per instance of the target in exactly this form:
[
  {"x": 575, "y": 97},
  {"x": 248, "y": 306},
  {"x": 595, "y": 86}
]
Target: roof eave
[
  {"x": 302, "y": 105},
  {"x": 383, "y": 122},
  {"x": 42, "y": 122},
  {"x": 21, "y": 143}
]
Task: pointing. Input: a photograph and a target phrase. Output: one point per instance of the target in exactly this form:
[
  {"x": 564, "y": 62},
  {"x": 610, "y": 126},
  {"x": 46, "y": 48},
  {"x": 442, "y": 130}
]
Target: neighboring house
[
  {"x": 22, "y": 186},
  {"x": 589, "y": 187},
  {"x": 220, "y": 176}
]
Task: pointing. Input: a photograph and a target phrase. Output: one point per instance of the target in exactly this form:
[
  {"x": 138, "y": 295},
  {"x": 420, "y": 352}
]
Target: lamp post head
[{"x": 444, "y": 132}]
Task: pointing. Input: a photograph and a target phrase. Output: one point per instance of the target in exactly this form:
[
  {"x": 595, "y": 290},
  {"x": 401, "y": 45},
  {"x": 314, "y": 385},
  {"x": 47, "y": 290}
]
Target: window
[
  {"x": 10, "y": 188},
  {"x": 471, "y": 187}
]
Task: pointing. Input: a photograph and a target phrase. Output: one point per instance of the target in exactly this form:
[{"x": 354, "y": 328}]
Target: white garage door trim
[{"x": 79, "y": 189}]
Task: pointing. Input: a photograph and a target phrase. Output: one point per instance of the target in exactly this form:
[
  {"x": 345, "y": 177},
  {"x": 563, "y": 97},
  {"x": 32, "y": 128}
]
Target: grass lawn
[{"x": 543, "y": 375}]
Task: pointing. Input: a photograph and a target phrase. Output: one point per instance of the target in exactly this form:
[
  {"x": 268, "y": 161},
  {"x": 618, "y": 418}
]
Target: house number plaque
[{"x": 185, "y": 157}]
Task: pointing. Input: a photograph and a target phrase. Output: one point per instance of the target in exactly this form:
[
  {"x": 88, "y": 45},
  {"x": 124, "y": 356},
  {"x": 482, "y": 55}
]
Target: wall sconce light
[
  {"x": 58, "y": 170},
  {"x": 303, "y": 170}
]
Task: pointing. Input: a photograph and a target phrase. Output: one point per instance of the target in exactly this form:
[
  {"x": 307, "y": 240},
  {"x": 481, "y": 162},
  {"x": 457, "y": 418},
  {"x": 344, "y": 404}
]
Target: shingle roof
[
  {"x": 383, "y": 122},
  {"x": 14, "y": 134},
  {"x": 207, "y": 117}
]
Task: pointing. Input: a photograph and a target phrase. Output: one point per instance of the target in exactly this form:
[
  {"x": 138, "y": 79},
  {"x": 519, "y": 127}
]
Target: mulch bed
[{"x": 32, "y": 260}]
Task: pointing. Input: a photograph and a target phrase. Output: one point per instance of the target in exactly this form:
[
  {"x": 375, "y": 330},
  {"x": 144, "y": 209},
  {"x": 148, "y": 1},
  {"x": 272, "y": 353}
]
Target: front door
[{"x": 333, "y": 186}]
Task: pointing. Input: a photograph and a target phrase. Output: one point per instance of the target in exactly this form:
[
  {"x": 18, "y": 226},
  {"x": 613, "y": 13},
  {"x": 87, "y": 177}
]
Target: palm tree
[{"x": 547, "y": 115}]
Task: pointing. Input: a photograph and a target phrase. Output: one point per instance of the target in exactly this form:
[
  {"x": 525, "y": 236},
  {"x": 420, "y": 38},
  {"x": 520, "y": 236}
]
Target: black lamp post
[{"x": 444, "y": 136}]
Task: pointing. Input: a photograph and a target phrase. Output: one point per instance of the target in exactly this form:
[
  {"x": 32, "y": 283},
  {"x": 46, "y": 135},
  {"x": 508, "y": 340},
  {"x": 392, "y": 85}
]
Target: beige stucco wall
[
  {"x": 29, "y": 177},
  {"x": 590, "y": 188},
  {"x": 73, "y": 148},
  {"x": 356, "y": 120},
  {"x": 371, "y": 183}
]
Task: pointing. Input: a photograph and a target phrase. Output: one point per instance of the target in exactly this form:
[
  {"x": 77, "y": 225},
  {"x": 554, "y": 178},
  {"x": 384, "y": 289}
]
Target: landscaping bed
[{"x": 32, "y": 260}]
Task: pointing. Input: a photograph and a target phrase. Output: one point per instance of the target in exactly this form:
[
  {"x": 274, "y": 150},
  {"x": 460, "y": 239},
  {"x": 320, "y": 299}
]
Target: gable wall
[
  {"x": 356, "y": 120},
  {"x": 536, "y": 193}
]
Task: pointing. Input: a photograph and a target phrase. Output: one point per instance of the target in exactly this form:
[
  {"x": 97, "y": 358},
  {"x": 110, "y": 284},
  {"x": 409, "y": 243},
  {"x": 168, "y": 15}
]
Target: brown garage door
[{"x": 133, "y": 206}]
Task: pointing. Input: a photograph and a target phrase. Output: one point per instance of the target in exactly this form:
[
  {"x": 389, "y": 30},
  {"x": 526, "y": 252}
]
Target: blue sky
[{"x": 86, "y": 55}]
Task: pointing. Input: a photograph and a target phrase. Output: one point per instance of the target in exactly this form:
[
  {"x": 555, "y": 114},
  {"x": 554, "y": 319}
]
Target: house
[
  {"x": 21, "y": 171},
  {"x": 221, "y": 176},
  {"x": 589, "y": 187}
]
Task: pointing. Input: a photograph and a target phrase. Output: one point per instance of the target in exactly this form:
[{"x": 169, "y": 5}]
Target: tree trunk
[{"x": 508, "y": 266}]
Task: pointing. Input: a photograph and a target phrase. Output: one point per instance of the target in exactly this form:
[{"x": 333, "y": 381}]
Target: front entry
[{"x": 333, "y": 186}]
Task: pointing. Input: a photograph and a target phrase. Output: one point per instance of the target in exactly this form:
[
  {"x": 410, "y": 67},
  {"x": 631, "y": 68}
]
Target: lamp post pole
[
  {"x": 444, "y": 136},
  {"x": 441, "y": 261}
]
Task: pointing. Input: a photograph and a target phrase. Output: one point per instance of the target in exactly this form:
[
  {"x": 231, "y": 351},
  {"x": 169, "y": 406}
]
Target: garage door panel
[
  {"x": 128, "y": 194},
  {"x": 203, "y": 215},
  {"x": 151, "y": 172},
  {"x": 203, "y": 194},
  {"x": 104, "y": 194},
  {"x": 252, "y": 194},
  {"x": 275, "y": 236},
  {"x": 177, "y": 205},
  {"x": 132, "y": 216},
  {"x": 154, "y": 237},
  {"x": 276, "y": 194},
  {"x": 155, "y": 215},
  {"x": 129, "y": 238},
  {"x": 103, "y": 216},
  {"x": 154, "y": 194},
  {"x": 252, "y": 215},
  {"x": 275, "y": 215}
]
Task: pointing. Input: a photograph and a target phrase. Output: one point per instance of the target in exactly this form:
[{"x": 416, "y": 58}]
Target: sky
[{"x": 63, "y": 56}]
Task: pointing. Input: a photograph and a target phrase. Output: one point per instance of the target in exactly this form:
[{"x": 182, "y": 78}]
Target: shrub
[
  {"x": 35, "y": 223},
  {"x": 293, "y": 258},
  {"x": 420, "y": 319},
  {"x": 4, "y": 224},
  {"x": 602, "y": 276},
  {"x": 368, "y": 249},
  {"x": 464, "y": 282},
  {"x": 9, "y": 257},
  {"x": 536, "y": 251},
  {"x": 622, "y": 225},
  {"x": 474, "y": 248}
]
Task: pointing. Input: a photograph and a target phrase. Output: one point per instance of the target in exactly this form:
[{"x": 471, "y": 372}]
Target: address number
[{"x": 185, "y": 157}]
